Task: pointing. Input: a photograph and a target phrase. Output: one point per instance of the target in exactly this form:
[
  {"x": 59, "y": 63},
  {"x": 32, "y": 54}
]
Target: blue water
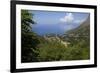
[{"x": 42, "y": 29}]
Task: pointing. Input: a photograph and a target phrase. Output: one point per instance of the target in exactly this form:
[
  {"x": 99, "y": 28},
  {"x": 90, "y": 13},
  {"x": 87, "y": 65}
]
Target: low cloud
[
  {"x": 69, "y": 18},
  {"x": 79, "y": 21}
]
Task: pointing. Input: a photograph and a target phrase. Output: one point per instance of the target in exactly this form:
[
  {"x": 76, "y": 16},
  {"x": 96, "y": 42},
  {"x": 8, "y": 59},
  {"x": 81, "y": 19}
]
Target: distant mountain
[{"x": 83, "y": 30}]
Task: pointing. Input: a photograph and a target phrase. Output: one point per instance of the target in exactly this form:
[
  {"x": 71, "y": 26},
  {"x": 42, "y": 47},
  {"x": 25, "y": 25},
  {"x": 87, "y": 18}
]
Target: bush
[{"x": 55, "y": 51}]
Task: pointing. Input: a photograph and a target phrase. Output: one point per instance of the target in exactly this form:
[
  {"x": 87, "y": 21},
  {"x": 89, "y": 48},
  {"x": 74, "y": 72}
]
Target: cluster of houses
[{"x": 56, "y": 38}]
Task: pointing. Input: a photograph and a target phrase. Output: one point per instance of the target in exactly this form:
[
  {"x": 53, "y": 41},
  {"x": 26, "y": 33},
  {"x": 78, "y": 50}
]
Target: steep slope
[
  {"x": 82, "y": 30},
  {"x": 79, "y": 34}
]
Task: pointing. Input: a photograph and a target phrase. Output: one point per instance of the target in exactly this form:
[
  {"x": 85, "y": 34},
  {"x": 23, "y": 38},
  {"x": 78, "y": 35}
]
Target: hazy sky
[{"x": 56, "y": 22}]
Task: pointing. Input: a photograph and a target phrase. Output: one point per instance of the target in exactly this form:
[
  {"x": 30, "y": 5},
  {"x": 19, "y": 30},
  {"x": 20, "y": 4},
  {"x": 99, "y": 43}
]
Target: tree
[
  {"x": 26, "y": 21},
  {"x": 29, "y": 39}
]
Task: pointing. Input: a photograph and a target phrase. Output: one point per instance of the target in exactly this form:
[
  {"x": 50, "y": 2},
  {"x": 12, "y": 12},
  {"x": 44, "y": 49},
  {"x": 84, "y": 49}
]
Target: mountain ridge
[{"x": 81, "y": 30}]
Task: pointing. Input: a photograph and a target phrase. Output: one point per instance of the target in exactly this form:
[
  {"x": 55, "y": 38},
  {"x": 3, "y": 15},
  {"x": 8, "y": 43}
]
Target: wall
[{"x": 5, "y": 37}]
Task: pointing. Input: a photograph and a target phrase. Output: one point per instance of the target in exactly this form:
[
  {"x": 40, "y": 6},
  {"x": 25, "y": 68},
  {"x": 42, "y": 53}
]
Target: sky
[{"x": 56, "y": 22}]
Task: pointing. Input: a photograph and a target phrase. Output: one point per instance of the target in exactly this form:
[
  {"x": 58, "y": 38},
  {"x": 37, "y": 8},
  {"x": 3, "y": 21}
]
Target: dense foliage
[
  {"x": 29, "y": 39},
  {"x": 55, "y": 51}
]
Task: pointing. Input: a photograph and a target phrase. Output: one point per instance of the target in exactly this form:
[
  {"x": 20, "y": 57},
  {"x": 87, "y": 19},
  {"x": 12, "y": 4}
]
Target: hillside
[
  {"x": 82, "y": 30},
  {"x": 80, "y": 33}
]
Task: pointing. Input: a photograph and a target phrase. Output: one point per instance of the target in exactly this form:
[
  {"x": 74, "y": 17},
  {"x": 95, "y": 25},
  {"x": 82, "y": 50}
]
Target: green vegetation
[
  {"x": 29, "y": 39},
  {"x": 73, "y": 45},
  {"x": 55, "y": 51}
]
